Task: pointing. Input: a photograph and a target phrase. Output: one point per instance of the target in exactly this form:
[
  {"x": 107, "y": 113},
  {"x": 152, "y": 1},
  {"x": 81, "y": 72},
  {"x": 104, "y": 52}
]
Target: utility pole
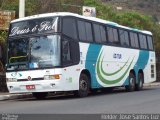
[{"x": 21, "y": 8}]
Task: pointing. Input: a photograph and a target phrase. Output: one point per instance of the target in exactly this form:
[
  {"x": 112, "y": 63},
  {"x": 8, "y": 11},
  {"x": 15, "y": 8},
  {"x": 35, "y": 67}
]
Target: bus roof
[{"x": 79, "y": 16}]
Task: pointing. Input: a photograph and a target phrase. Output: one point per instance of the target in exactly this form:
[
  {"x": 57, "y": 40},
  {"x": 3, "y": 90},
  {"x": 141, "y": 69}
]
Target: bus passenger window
[
  {"x": 85, "y": 31},
  {"x": 99, "y": 33},
  {"x": 103, "y": 34},
  {"x": 112, "y": 35},
  {"x": 69, "y": 27},
  {"x": 124, "y": 38},
  {"x": 134, "y": 40},
  {"x": 81, "y": 31},
  {"x": 150, "y": 42},
  {"x": 143, "y": 41}
]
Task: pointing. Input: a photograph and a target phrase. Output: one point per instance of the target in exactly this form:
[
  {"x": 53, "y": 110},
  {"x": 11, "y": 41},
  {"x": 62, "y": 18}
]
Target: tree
[{"x": 10, "y": 5}]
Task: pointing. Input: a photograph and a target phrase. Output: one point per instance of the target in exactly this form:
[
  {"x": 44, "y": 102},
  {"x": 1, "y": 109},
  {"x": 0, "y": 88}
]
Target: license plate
[{"x": 30, "y": 87}]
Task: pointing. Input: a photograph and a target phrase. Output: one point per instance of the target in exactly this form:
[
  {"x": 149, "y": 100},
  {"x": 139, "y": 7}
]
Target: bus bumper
[{"x": 36, "y": 86}]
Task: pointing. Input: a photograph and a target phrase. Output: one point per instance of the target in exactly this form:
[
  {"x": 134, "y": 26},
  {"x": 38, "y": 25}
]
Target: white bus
[{"x": 69, "y": 52}]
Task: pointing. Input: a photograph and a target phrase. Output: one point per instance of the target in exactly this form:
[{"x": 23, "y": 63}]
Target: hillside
[
  {"x": 140, "y": 14},
  {"x": 146, "y": 7}
]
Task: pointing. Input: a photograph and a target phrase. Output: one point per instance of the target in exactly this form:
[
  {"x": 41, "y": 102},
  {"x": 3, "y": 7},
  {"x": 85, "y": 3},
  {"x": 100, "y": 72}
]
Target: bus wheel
[
  {"x": 83, "y": 86},
  {"x": 40, "y": 95},
  {"x": 139, "y": 85},
  {"x": 131, "y": 86}
]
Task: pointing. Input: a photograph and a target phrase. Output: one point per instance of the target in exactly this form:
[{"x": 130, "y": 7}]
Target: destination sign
[{"x": 41, "y": 25}]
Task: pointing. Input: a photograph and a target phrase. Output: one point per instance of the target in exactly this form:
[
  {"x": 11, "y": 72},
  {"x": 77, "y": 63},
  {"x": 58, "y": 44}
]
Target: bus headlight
[
  {"x": 51, "y": 77},
  {"x": 11, "y": 80}
]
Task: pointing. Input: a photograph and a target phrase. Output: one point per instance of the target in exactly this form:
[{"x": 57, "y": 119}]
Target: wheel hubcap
[
  {"x": 140, "y": 83},
  {"x": 132, "y": 82},
  {"x": 83, "y": 85}
]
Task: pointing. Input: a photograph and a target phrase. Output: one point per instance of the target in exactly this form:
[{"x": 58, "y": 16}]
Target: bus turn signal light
[{"x": 51, "y": 77}]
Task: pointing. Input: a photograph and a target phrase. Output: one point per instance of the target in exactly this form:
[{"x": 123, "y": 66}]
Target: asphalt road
[{"x": 119, "y": 101}]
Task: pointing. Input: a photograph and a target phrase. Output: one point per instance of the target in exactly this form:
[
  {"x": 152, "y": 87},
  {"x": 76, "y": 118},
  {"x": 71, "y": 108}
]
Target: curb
[
  {"x": 4, "y": 97},
  {"x": 14, "y": 96},
  {"x": 152, "y": 84}
]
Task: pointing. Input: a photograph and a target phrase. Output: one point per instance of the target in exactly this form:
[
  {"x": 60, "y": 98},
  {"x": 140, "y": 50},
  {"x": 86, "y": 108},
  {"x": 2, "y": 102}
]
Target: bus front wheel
[
  {"x": 83, "y": 86},
  {"x": 40, "y": 95}
]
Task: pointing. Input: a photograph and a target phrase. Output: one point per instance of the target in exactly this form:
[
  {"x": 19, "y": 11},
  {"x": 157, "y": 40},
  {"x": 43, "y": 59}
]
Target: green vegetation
[
  {"x": 128, "y": 18},
  {"x": 3, "y": 36}
]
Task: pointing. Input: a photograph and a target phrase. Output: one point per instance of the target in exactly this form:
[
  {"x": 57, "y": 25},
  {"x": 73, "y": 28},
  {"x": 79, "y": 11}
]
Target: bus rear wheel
[
  {"x": 131, "y": 86},
  {"x": 83, "y": 86},
  {"x": 40, "y": 95},
  {"x": 139, "y": 85}
]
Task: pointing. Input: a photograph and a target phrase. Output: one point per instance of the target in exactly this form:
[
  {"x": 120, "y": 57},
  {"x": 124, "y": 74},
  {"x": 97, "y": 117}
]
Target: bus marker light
[
  {"x": 56, "y": 76},
  {"x": 51, "y": 77}
]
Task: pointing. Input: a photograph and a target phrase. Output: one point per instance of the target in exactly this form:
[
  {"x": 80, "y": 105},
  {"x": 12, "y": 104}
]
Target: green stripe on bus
[
  {"x": 110, "y": 82},
  {"x": 110, "y": 74}
]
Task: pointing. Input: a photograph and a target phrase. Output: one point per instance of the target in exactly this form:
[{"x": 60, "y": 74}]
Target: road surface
[{"x": 119, "y": 101}]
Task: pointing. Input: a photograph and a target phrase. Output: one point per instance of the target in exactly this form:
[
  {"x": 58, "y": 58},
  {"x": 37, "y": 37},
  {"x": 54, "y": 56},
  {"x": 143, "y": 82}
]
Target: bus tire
[
  {"x": 84, "y": 86},
  {"x": 131, "y": 86},
  {"x": 40, "y": 95},
  {"x": 139, "y": 85}
]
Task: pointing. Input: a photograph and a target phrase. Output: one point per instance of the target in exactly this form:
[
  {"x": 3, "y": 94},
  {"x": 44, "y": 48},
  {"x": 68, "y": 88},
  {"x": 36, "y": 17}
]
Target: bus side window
[
  {"x": 150, "y": 42},
  {"x": 85, "y": 31},
  {"x": 69, "y": 27},
  {"x": 70, "y": 52},
  {"x": 143, "y": 41},
  {"x": 81, "y": 30},
  {"x": 66, "y": 56},
  {"x": 134, "y": 40},
  {"x": 99, "y": 33},
  {"x": 103, "y": 34},
  {"x": 124, "y": 38},
  {"x": 112, "y": 35},
  {"x": 88, "y": 32}
]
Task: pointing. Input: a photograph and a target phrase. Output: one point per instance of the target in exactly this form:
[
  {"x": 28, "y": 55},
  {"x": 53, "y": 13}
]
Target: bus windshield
[
  {"x": 45, "y": 51},
  {"x": 34, "y": 52}
]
